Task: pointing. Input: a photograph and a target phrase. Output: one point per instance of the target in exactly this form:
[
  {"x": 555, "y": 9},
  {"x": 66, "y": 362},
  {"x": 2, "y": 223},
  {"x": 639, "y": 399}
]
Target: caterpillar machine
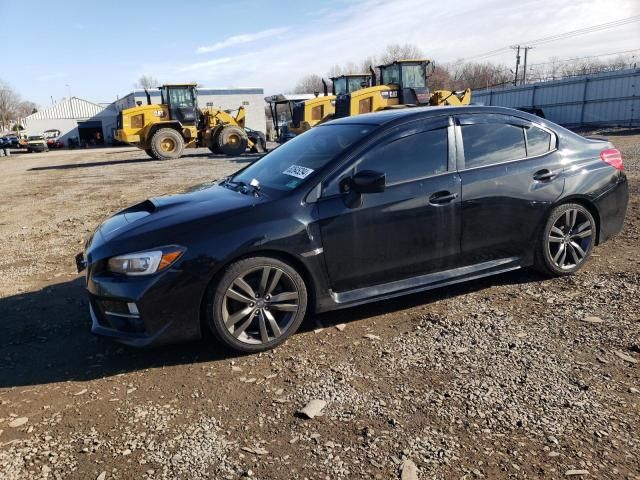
[
  {"x": 310, "y": 113},
  {"x": 164, "y": 130},
  {"x": 403, "y": 83}
]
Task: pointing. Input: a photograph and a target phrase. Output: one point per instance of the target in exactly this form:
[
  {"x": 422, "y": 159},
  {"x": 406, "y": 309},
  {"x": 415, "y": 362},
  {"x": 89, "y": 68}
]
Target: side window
[
  {"x": 409, "y": 158},
  {"x": 491, "y": 143},
  {"x": 538, "y": 141}
]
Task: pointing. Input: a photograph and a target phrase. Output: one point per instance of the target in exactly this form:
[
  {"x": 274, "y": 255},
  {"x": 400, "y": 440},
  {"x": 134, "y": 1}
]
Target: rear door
[
  {"x": 511, "y": 174},
  {"x": 411, "y": 228}
]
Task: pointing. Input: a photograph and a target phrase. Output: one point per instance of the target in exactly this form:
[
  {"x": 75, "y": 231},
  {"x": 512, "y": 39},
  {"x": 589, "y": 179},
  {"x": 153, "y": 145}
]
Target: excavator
[
  {"x": 317, "y": 110},
  {"x": 403, "y": 83},
  {"x": 164, "y": 130}
]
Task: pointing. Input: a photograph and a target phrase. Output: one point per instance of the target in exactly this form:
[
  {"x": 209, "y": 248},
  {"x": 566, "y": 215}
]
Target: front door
[{"x": 411, "y": 228}]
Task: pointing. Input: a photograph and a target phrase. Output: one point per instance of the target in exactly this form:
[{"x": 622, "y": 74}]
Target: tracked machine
[{"x": 164, "y": 130}]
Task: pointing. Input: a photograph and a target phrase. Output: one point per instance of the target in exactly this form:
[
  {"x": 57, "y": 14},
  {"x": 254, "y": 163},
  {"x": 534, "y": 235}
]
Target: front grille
[
  {"x": 343, "y": 105},
  {"x": 298, "y": 114}
]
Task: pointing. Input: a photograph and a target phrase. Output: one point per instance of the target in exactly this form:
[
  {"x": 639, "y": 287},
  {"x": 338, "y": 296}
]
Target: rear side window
[
  {"x": 538, "y": 141},
  {"x": 409, "y": 158},
  {"x": 491, "y": 143}
]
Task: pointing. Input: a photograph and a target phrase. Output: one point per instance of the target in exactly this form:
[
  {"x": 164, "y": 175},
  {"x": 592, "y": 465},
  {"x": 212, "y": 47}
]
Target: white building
[
  {"x": 252, "y": 99},
  {"x": 74, "y": 118}
]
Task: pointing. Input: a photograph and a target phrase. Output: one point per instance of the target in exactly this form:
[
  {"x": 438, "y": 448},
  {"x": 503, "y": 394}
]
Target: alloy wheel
[
  {"x": 260, "y": 305},
  {"x": 570, "y": 239}
]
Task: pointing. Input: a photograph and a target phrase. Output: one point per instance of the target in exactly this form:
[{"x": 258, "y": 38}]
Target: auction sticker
[{"x": 298, "y": 171}]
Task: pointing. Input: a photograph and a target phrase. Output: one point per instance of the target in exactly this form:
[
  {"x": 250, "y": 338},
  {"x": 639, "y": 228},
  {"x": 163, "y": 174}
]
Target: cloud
[
  {"x": 365, "y": 27},
  {"x": 239, "y": 39}
]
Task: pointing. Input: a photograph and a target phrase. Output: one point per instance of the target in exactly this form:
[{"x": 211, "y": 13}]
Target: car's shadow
[{"x": 46, "y": 334}]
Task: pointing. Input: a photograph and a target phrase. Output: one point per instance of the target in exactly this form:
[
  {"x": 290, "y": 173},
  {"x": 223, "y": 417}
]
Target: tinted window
[
  {"x": 538, "y": 141},
  {"x": 409, "y": 158},
  {"x": 292, "y": 163},
  {"x": 490, "y": 143}
]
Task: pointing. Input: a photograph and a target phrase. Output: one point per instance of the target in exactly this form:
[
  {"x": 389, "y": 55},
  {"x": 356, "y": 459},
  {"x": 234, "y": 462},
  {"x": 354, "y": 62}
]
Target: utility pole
[
  {"x": 524, "y": 69},
  {"x": 517, "y": 49}
]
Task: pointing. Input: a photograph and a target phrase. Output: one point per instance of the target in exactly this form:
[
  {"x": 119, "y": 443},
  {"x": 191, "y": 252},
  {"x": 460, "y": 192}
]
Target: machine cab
[
  {"x": 345, "y": 84},
  {"x": 411, "y": 78},
  {"x": 182, "y": 102}
]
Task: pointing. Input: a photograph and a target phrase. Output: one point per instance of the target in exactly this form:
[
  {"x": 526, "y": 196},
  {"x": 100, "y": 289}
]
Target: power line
[{"x": 559, "y": 36}]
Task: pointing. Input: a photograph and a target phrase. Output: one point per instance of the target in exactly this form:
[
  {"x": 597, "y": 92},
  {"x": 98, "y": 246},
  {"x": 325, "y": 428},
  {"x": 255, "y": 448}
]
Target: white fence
[{"x": 611, "y": 98}]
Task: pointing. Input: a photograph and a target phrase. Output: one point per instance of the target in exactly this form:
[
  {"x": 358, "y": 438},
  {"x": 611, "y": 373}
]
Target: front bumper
[{"x": 144, "y": 311}]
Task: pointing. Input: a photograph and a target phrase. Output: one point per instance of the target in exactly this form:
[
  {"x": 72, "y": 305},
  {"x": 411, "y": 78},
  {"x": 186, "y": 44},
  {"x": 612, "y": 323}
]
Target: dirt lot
[{"x": 505, "y": 377}]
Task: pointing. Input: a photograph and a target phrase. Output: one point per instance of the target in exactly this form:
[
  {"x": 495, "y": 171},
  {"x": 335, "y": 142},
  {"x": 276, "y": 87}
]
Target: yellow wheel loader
[
  {"x": 403, "y": 83},
  {"x": 164, "y": 130},
  {"x": 312, "y": 112}
]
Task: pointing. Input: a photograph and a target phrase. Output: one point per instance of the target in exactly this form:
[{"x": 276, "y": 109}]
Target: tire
[
  {"x": 241, "y": 308},
  {"x": 215, "y": 150},
  {"x": 566, "y": 241},
  {"x": 167, "y": 144},
  {"x": 232, "y": 140},
  {"x": 149, "y": 152}
]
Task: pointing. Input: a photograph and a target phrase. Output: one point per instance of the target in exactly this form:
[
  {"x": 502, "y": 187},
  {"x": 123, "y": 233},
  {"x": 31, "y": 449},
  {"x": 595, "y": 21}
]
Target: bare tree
[
  {"x": 9, "y": 100},
  {"x": 440, "y": 79},
  {"x": 146, "y": 82},
  {"x": 26, "y": 108},
  {"x": 309, "y": 84},
  {"x": 396, "y": 51}
]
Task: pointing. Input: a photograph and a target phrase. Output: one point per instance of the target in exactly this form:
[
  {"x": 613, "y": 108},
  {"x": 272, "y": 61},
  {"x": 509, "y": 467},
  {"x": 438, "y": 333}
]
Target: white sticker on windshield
[{"x": 298, "y": 171}]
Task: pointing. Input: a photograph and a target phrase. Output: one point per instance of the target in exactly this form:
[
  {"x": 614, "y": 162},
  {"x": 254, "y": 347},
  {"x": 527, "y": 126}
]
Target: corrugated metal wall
[{"x": 611, "y": 98}]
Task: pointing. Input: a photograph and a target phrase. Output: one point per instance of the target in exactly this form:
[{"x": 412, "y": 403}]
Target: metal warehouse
[
  {"x": 75, "y": 118},
  {"x": 252, "y": 99}
]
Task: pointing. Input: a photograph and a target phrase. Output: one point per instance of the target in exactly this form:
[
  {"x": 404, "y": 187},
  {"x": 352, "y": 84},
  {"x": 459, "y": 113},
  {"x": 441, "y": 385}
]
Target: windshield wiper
[{"x": 243, "y": 187}]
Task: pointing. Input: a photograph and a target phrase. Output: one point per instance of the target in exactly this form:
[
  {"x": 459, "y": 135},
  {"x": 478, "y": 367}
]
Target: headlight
[{"x": 144, "y": 263}]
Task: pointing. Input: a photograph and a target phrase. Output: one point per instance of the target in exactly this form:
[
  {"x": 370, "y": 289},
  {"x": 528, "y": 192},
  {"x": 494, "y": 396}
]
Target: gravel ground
[{"x": 516, "y": 376}]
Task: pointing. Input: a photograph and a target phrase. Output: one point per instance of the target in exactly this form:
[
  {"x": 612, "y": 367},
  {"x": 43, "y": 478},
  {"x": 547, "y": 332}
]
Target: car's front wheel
[
  {"x": 566, "y": 241},
  {"x": 257, "y": 304}
]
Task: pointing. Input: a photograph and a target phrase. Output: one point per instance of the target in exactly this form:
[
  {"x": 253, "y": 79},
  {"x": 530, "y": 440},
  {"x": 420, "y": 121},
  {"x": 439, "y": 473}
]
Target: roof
[
  {"x": 407, "y": 60},
  {"x": 388, "y": 116},
  {"x": 71, "y": 108},
  {"x": 352, "y": 75},
  {"x": 289, "y": 97}
]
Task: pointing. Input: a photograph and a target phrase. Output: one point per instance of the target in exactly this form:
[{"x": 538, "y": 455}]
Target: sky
[{"x": 98, "y": 50}]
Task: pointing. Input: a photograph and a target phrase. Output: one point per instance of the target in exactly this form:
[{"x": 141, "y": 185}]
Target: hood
[{"x": 164, "y": 213}]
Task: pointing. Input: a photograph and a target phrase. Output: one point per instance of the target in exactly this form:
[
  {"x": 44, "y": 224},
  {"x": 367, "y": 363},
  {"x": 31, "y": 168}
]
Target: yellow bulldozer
[
  {"x": 403, "y": 83},
  {"x": 309, "y": 113},
  {"x": 164, "y": 130}
]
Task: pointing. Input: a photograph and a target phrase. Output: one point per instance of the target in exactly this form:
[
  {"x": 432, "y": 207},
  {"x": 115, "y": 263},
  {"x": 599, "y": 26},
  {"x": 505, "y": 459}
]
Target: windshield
[
  {"x": 413, "y": 76},
  {"x": 355, "y": 83},
  {"x": 291, "y": 164},
  {"x": 181, "y": 97},
  {"x": 35, "y": 138},
  {"x": 340, "y": 85},
  {"x": 390, "y": 74}
]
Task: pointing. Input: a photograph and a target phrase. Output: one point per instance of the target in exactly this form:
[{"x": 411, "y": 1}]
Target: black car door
[
  {"x": 411, "y": 228},
  {"x": 511, "y": 173}
]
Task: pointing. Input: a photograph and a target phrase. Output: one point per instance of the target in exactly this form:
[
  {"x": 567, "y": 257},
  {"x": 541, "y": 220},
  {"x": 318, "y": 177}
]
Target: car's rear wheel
[
  {"x": 257, "y": 304},
  {"x": 566, "y": 241}
]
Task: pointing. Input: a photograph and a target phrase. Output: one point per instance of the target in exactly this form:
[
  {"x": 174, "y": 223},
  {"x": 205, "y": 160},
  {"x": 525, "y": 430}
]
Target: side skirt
[{"x": 422, "y": 283}]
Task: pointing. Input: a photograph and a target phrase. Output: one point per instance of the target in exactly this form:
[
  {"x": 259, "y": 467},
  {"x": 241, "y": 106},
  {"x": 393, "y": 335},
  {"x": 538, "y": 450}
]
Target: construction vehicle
[
  {"x": 310, "y": 113},
  {"x": 403, "y": 83},
  {"x": 164, "y": 130}
]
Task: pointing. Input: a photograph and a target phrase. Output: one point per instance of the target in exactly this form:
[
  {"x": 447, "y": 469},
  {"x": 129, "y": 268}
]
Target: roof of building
[{"x": 70, "y": 108}]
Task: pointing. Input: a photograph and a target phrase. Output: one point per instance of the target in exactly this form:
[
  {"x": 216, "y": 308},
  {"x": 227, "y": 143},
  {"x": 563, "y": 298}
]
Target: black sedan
[{"x": 356, "y": 210}]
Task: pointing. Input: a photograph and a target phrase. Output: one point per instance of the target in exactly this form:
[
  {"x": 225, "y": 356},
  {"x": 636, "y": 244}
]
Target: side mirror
[{"x": 368, "y": 181}]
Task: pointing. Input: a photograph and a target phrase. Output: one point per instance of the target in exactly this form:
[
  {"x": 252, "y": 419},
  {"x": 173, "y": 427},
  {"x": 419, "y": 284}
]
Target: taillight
[{"x": 613, "y": 157}]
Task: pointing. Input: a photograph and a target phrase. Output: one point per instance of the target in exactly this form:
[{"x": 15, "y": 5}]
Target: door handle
[
  {"x": 440, "y": 198},
  {"x": 544, "y": 175}
]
